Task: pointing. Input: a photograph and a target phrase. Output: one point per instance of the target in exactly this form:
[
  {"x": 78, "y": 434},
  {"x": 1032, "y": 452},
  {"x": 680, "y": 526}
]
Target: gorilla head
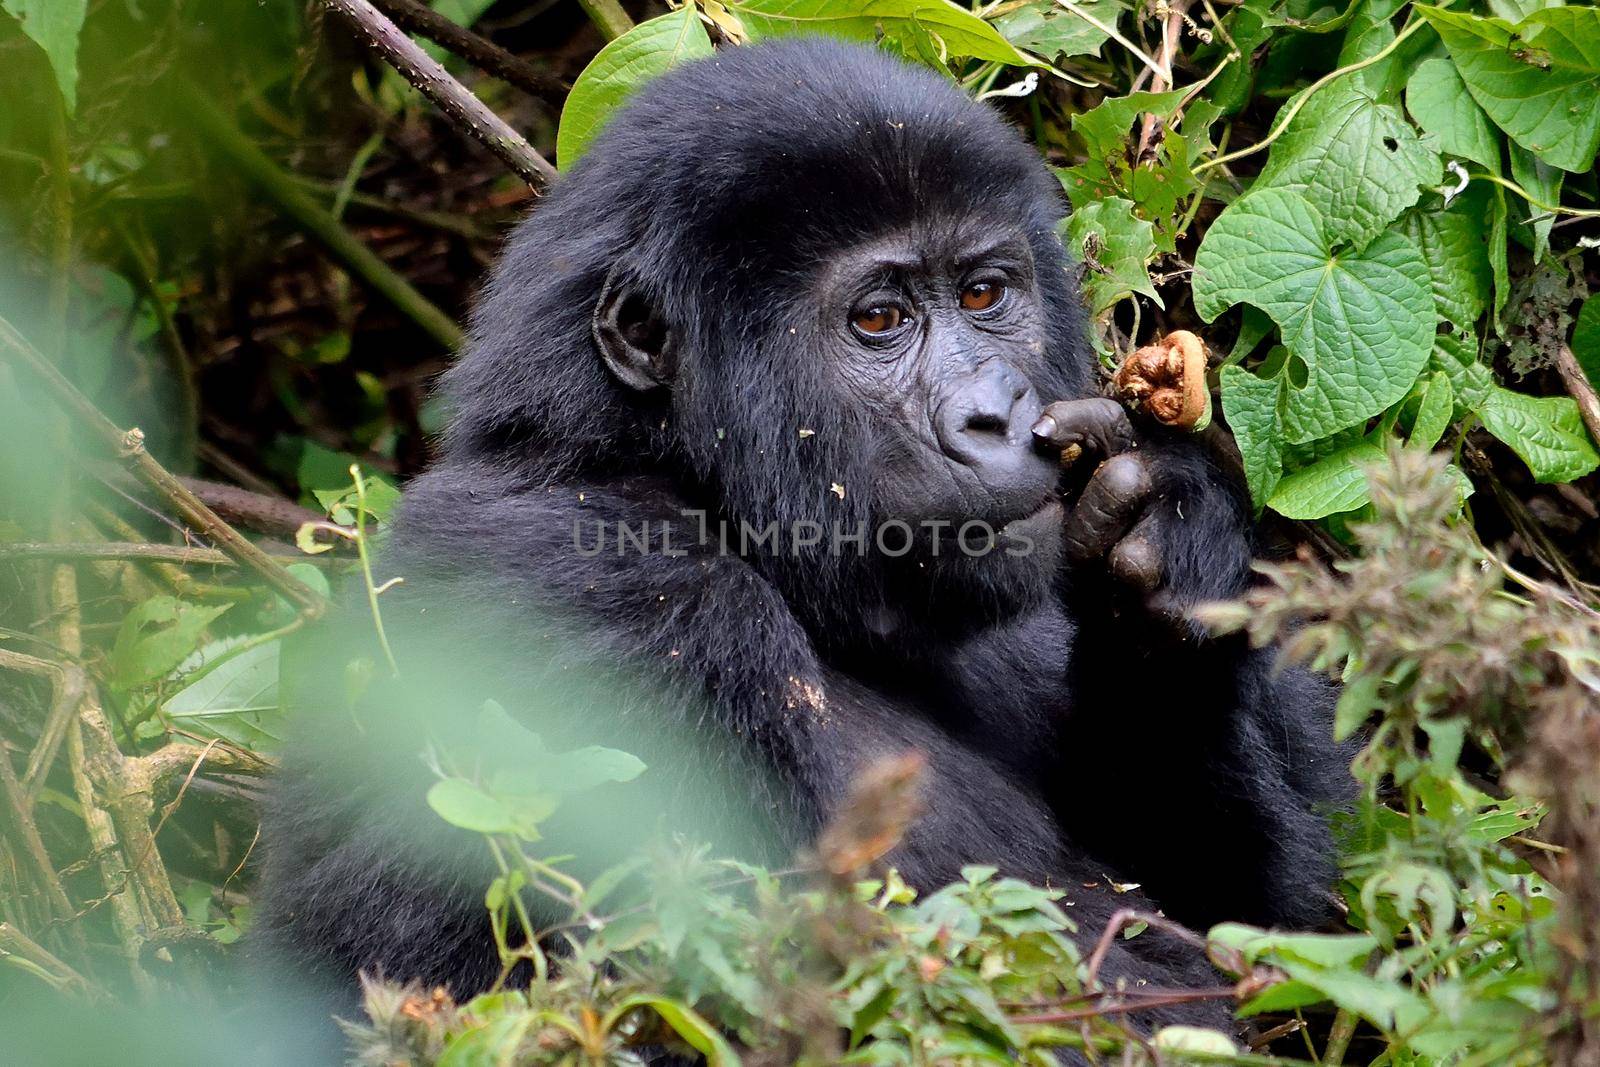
[{"x": 824, "y": 290}]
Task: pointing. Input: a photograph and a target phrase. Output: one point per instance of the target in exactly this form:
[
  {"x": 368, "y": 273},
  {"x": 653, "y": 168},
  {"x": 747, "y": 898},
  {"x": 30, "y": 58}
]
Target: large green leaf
[
  {"x": 644, "y": 52},
  {"x": 1546, "y": 431},
  {"x": 960, "y": 31},
  {"x": 1537, "y": 80},
  {"x": 1330, "y": 485},
  {"x": 1438, "y": 99},
  {"x": 1454, "y": 244},
  {"x": 1356, "y": 159},
  {"x": 1116, "y": 248},
  {"x": 54, "y": 25},
  {"x": 1361, "y": 324}
]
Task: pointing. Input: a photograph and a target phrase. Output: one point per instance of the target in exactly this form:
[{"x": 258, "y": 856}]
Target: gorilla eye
[
  {"x": 982, "y": 296},
  {"x": 878, "y": 320}
]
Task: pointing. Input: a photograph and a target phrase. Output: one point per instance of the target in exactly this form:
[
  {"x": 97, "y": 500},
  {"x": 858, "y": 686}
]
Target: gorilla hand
[{"x": 1169, "y": 527}]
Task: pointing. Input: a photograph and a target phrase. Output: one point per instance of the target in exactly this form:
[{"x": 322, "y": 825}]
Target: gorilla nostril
[{"x": 986, "y": 422}]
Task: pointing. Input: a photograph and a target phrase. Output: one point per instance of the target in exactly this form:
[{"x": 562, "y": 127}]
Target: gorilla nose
[{"x": 985, "y": 425}]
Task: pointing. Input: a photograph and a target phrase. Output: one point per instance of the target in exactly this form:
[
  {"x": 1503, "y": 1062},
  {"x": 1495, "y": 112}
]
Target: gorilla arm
[
  {"x": 722, "y": 660},
  {"x": 1233, "y": 755}
]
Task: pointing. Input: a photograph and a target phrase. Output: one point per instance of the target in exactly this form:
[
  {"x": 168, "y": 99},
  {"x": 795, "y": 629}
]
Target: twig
[
  {"x": 68, "y": 687},
  {"x": 1116, "y": 35},
  {"x": 608, "y": 17},
  {"x": 130, "y": 445},
  {"x": 131, "y": 551},
  {"x": 17, "y": 818},
  {"x": 479, "y": 51},
  {"x": 1582, "y": 391},
  {"x": 286, "y": 192},
  {"x": 433, "y": 81},
  {"x": 15, "y": 943}
]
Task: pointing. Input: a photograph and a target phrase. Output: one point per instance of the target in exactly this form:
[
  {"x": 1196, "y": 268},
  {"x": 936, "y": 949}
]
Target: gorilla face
[{"x": 937, "y": 333}]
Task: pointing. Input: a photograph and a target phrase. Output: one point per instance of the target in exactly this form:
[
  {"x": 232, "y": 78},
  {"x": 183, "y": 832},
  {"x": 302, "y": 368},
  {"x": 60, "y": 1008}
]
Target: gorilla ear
[{"x": 634, "y": 340}]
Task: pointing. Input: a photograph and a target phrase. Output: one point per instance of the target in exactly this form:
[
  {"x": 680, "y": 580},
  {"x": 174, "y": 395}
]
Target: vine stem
[
  {"x": 1554, "y": 209},
  {"x": 1116, "y": 35},
  {"x": 1288, "y": 113}
]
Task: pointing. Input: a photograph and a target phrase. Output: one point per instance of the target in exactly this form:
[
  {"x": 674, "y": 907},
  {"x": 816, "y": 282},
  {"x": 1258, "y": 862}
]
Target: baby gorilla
[{"x": 799, "y": 324}]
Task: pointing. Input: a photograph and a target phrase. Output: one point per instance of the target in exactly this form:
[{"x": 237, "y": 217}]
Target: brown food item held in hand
[{"x": 1167, "y": 382}]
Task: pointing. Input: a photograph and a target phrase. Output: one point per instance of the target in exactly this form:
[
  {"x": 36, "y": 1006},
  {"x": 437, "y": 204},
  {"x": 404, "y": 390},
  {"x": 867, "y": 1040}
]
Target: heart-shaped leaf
[{"x": 1361, "y": 323}]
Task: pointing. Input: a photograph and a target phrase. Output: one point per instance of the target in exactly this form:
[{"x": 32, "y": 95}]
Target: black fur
[{"x": 1071, "y": 738}]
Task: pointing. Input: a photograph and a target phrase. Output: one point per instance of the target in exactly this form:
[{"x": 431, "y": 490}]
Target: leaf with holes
[
  {"x": 1360, "y": 323},
  {"x": 1356, "y": 159},
  {"x": 1116, "y": 248},
  {"x": 1047, "y": 29}
]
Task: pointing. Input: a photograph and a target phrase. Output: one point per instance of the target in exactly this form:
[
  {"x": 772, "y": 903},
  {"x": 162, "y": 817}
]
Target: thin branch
[
  {"x": 1577, "y": 383},
  {"x": 286, "y": 192},
  {"x": 481, "y": 52},
  {"x": 129, "y": 551},
  {"x": 469, "y": 113},
  {"x": 130, "y": 446}
]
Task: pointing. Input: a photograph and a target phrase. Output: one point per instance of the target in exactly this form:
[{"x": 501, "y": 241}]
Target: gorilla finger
[
  {"x": 1096, "y": 423},
  {"x": 1137, "y": 561},
  {"x": 1106, "y": 508}
]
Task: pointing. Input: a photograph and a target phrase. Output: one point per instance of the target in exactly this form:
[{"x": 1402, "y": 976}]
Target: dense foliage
[{"x": 237, "y": 231}]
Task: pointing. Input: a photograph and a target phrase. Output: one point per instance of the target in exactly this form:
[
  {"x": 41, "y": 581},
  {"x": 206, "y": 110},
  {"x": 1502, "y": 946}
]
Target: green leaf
[
  {"x": 1158, "y": 183},
  {"x": 1332, "y": 484},
  {"x": 686, "y": 1023},
  {"x": 1358, "y": 700},
  {"x": 1454, "y": 244},
  {"x": 1586, "y": 339},
  {"x": 1546, "y": 431},
  {"x": 1438, "y": 99},
  {"x": 1538, "y": 80},
  {"x": 648, "y": 50},
  {"x": 1358, "y": 160},
  {"x": 237, "y": 699},
  {"x": 54, "y": 26},
  {"x": 1361, "y": 323},
  {"x": 1433, "y": 412},
  {"x": 961, "y": 32},
  {"x": 1115, "y": 247},
  {"x": 1327, "y": 950},
  {"x": 460, "y": 803},
  {"x": 155, "y": 637},
  {"x": 1251, "y": 405},
  {"x": 1049, "y": 30},
  {"x": 493, "y": 1044}
]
